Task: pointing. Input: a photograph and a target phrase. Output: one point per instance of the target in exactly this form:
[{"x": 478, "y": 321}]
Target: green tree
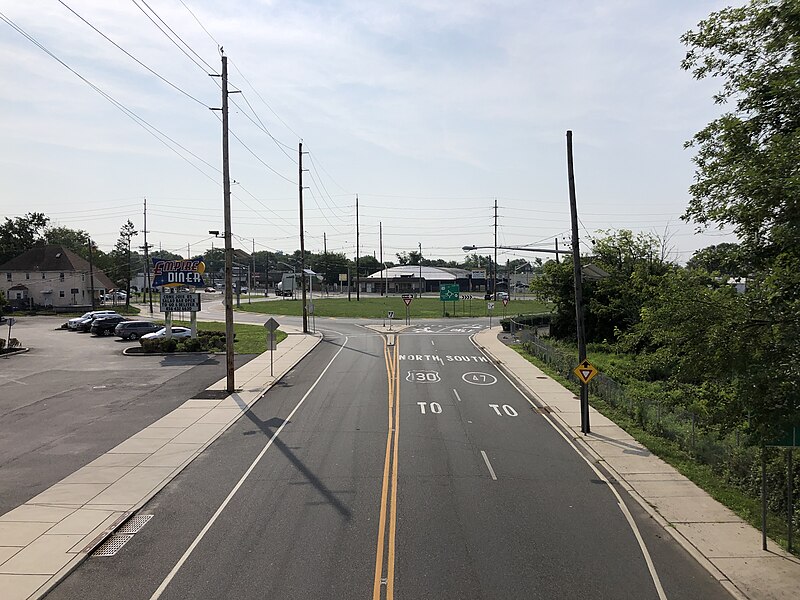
[
  {"x": 76, "y": 240},
  {"x": 21, "y": 233},
  {"x": 748, "y": 178},
  {"x": 726, "y": 259},
  {"x": 368, "y": 265},
  {"x": 634, "y": 264},
  {"x": 330, "y": 265},
  {"x": 121, "y": 258},
  {"x": 748, "y": 175}
]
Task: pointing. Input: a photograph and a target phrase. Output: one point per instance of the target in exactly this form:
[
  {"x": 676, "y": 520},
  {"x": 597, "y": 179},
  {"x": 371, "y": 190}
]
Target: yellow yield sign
[{"x": 585, "y": 371}]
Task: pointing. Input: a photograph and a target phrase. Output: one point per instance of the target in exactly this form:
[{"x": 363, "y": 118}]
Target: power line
[
  {"x": 213, "y": 39},
  {"x": 164, "y": 79},
  {"x": 202, "y": 68},
  {"x": 258, "y": 158},
  {"x": 151, "y": 129},
  {"x": 277, "y": 116}
]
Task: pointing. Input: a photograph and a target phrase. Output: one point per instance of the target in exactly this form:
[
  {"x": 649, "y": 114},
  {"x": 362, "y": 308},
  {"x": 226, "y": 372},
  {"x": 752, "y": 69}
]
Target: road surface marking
[
  {"x": 201, "y": 535},
  {"x": 388, "y": 509},
  {"x": 432, "y": 343},
  {"x": 488, "y": 465},
  {"x": 624, "y": 509},
  {"x": 457, "y": 396}
]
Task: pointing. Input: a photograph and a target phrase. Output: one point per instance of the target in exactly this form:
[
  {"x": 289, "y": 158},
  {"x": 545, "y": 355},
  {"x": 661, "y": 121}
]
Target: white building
[{"x": 51, "y": 276}]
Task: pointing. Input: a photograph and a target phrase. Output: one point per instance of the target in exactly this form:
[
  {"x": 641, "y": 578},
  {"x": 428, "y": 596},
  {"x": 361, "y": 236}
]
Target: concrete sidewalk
[
  {"x": 48, "y": 536},
  {"x": 724, "y": 544}
]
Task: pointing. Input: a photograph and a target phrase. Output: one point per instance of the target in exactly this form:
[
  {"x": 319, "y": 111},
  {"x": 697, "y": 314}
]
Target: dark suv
[
  {"x": 86, "y": 324},
  {"x": 106, "y": 325},
  {"x": 133, "y": 330}
]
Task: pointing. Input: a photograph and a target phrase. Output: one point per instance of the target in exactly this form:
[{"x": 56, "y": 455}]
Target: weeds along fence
[
  {"x": 651, "y": 412},
  {"x": 732, "y": 454}
]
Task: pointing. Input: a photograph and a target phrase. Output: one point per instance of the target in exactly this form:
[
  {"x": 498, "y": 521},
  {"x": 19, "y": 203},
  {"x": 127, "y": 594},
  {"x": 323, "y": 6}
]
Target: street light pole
[{"x": 420, "y": 269}]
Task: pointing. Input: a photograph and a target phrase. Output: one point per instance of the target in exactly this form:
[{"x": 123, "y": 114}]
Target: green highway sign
[
  {"x": 789, "y": 439},
  {"x": 449, "y": 292}
]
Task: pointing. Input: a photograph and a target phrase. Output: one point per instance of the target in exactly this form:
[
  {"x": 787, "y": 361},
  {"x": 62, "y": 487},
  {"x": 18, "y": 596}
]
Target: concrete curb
[{"x": 35, "y": 584}]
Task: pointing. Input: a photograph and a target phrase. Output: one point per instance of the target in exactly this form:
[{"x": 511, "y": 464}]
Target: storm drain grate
[
  {"x": 122, "y": 536},
  {"x": 134, "y": 524},
  {"x": 542, "y": 409},
  {"x": 112, "y": 545}
]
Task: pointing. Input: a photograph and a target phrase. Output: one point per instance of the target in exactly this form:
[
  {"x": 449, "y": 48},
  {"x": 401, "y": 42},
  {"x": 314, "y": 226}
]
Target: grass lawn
[
  {"x": 250, "y": 339},
  {"x": 377, "y": 308}
]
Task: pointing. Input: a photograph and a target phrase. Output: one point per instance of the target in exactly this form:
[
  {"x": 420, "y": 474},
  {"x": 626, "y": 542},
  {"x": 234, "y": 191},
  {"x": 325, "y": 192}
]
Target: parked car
[
  {"x": 177, "y": 332},
  {"x": 105, "y": 325},
  {"x": 73, "y": 323},
  {"x": 86, "y": 324},
  {"x": 211, "y": 290},
  {"x": 118, "y": 295},
  {"x": 133, "y": 330}
]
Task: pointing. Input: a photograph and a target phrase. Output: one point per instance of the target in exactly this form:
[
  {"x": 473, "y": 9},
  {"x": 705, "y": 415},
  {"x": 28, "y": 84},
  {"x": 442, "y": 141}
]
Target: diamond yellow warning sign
[{"x": 585, "y": 371}]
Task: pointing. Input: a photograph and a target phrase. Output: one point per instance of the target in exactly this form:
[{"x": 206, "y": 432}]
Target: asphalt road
[
  {"x": 75, "y": 396},
  {"x": 404, "y": 470}
]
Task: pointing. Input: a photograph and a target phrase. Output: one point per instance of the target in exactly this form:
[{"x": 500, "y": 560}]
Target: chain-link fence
[
  {"x": 731, "y": 454},
  {"x": 650, "y": 411}
]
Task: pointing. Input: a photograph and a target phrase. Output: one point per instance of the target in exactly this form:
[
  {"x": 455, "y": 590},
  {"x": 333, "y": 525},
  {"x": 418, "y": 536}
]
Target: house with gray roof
[{"x": 54, "y": 277}]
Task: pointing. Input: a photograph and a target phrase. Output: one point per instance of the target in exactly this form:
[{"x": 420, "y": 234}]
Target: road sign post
[
  {"x": 408, "y": 298},
  {"x": 271, "y": 326},
  {"x": 490, "y": 310},
  {"x": 11, "y": 321},
  {"x": 585, "y": 372},
  {"x": 449, "y": 293}
]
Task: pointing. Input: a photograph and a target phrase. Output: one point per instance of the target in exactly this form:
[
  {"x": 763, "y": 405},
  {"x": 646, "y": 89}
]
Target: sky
[{"x": 427, "y": 110}]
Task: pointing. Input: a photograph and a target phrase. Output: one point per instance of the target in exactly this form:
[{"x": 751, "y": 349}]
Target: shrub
[
  {"x": 191, "y": 345},
  {"x": 150, "y": 345},
  {"x": 2, "y": 343},
  {"x": 14, "y": 343},
  {"x": 169, "y": 345}
]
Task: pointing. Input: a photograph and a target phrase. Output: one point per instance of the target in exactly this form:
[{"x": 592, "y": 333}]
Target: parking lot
[{"x": 74, "y": 396}]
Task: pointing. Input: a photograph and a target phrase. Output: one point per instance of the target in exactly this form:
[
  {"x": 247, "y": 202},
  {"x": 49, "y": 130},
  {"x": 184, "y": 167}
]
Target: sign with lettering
[
  {"x": 180, "y": 302},
  {"x": 173, "y": 273}
]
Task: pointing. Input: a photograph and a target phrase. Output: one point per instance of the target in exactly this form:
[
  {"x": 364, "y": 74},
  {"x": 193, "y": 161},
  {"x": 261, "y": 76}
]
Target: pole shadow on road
[{"x": 268, "y": 428}]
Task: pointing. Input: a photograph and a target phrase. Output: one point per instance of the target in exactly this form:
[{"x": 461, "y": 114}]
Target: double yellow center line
[{"x": 386, "y": 547}]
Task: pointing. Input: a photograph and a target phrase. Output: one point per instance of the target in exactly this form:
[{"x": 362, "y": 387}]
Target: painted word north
[{"x": 444, "y": 359}]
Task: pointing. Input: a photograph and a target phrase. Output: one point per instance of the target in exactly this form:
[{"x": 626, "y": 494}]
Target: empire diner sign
[{"x": 172, "y": 273}]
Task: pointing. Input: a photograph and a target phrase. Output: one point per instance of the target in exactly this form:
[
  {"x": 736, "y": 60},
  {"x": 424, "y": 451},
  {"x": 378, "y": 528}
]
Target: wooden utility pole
[
  {"x": 324, "y": 242},
  {"x": 302, "y": 239},
  {"x": 494, "y": 275},
  {"x": 147, "y": 259},
  {"x": 91, "y": 274},
  {"x": 557, "y": 261},
  {"x": 383, "y": 267},
  {"x": 576, "y": 267},
  {"x": 420, "y": 268},
  {"x": 226, "y": 192},
  {"x": 358, "y": 270}
]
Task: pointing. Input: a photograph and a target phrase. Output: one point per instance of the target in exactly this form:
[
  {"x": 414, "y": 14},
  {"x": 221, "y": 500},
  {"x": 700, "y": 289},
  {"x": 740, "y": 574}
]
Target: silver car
[
  {"x": 73, "y": 323},
  {"x": 177, "y": 332}
]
